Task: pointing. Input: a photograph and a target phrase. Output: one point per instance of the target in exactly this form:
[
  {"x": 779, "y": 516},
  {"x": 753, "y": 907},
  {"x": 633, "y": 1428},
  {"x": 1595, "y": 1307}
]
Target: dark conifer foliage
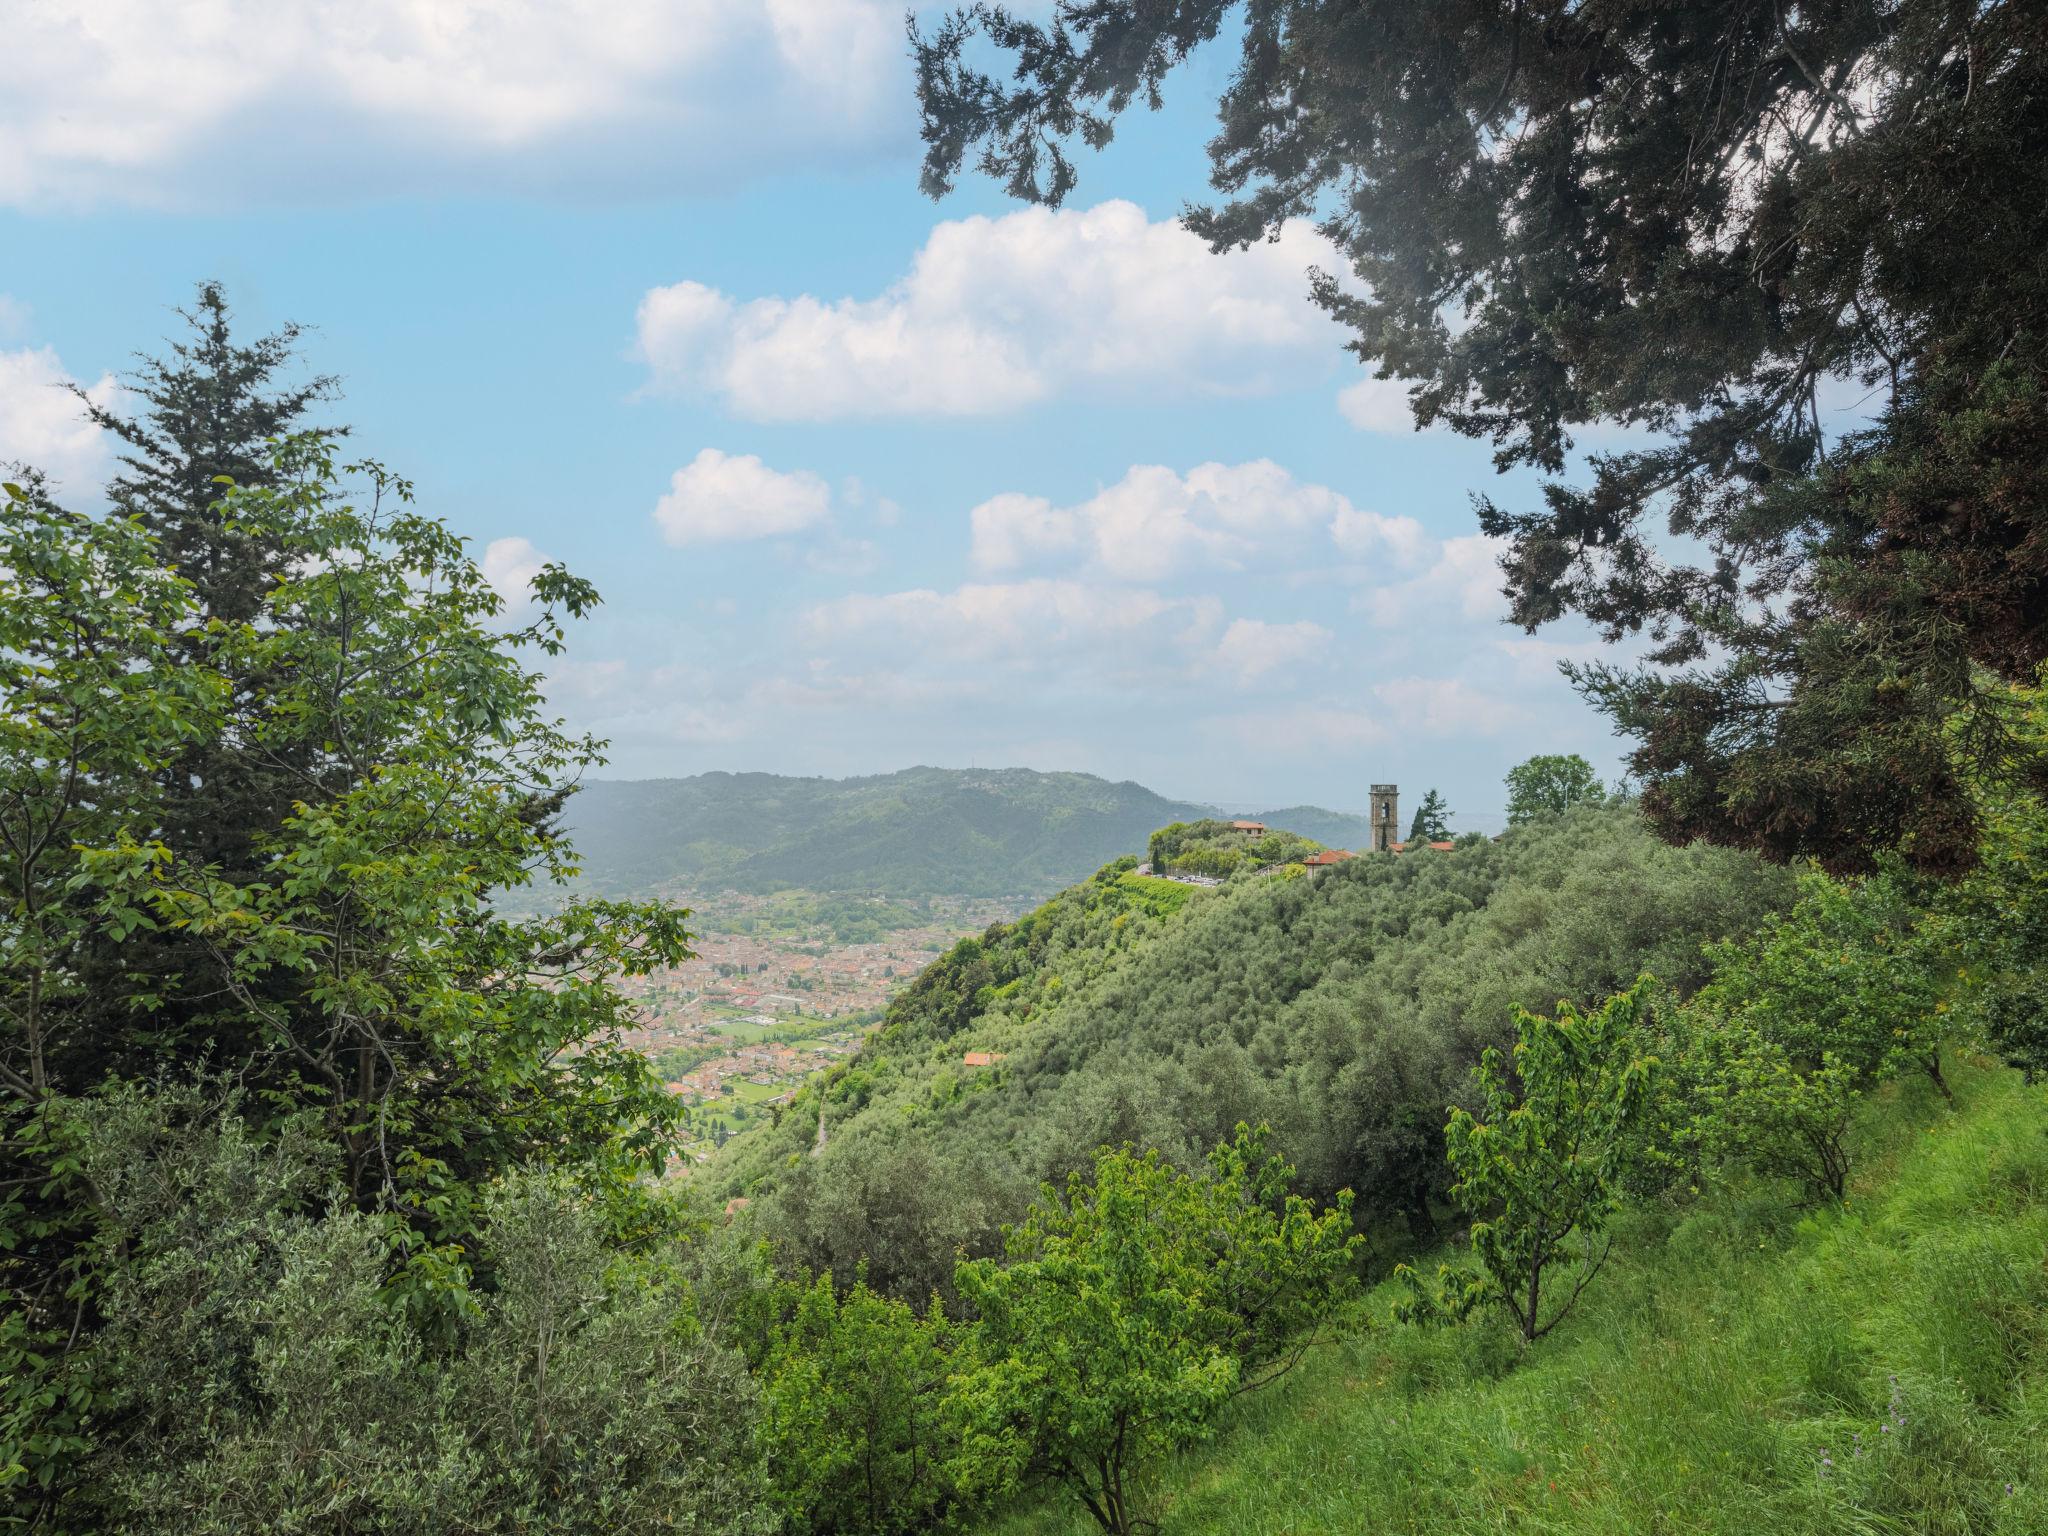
[
  {"x": 1709, "y": 221},
  {"x": 209, "y": 408}
]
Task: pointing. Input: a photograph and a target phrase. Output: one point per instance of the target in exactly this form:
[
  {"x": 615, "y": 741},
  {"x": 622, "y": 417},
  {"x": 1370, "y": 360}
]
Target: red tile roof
[{"x": 1328, "y": 856}]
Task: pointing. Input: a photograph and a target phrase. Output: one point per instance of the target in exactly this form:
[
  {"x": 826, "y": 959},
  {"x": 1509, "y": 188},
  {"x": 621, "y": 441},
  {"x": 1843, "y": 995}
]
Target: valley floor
[{"x": 1741, "y": 1367}]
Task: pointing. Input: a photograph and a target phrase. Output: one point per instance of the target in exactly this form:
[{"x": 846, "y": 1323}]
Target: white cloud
[
  {"x": 510, "y": 565},
  {"x": 1369, "y": 535},
  {"x": 43, "y": 425},
  {"x": 1155, "y": 523},
  {"x": 1251, "y": 648},
  {"x": 997, "y": 313},
  {"x": 719, "y": 497},
  {"x": 1012, "y": 530},
  {"x": 259, "y": 100},
  {"x": 1465, "y": 580},
  {"x": 1378, "y": 405},
  {"x": 1024, "y": 623}
]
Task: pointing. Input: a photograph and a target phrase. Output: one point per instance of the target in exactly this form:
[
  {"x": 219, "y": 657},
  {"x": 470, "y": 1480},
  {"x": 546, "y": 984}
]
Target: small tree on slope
[
  {"x": 1133, "y": 1307},
  {"x": 1543, "y": 1165}
]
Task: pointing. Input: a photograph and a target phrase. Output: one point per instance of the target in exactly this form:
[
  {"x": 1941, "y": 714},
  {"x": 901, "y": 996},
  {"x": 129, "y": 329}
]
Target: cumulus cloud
[
  {"x": 1464, "y": 579},
  {"x": 1012, "y": 530},
  {"x": 43, "y": 426},
  {"x": 720, "y": 497},
  {"x": 997, "y": 313},
  {"x": 1363, "y": 535},
  {"x": 510, "y": 565},
  {"x": 1155, "y": 523},
  {"x": 258, "y": 100},
  {"x": 1251, "y": 648},
  {"x": 1377, "y": 405}
]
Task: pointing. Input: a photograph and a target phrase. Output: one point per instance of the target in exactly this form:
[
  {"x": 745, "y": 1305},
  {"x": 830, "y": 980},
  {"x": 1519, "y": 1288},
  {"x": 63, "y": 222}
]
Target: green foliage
[
  {"x": 343, "y": 960},
  {"x": 1133, "y": 1307},
  {"x": 260, "y": 1378},
  {"x": 92, "y": 708},
  {"x": 1345, "y": 1012},
  {"x": 1545, "y": 786},
  {"x": 1728, "y": 1347},
  {"x": 853, "y": 1426},
  {"x": 1542, "y": 1164},
  {"x": 1992, "y": 928},
  {"x": 1432, "y": 823},
  {"x": 1217, "y": 849},
  {"x": 435, "y": 769},
  {"x": 1823, "y": 1004}
]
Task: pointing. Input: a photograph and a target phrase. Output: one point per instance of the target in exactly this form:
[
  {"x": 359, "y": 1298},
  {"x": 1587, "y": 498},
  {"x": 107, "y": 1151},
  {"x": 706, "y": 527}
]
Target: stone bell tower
[{"x": 1386, "y": 817}]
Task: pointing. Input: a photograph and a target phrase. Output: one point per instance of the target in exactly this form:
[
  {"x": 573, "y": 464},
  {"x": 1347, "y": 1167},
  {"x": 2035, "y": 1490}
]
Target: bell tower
[{"x": 1386, "y": 817}]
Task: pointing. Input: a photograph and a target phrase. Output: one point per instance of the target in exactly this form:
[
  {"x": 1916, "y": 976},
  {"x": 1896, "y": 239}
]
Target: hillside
[
  {"x": 921, "y": 832},
  {"x": 1343, "y": 1009},
  {"x": 1745, "y": 1367}
]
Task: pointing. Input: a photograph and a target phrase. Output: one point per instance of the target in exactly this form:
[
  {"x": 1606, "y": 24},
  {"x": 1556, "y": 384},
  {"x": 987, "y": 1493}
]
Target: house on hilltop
[{"x": 1255, "y": 829}]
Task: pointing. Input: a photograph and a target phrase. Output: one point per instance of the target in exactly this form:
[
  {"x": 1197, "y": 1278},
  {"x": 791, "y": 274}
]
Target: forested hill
[
  {"x": 1343, "y": 1009},
  {"x": 920, "y": 832}
]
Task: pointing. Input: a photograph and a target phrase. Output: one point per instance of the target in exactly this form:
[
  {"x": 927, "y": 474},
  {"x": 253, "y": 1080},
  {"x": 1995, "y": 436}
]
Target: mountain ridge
[{"x": 920, "y": 831}]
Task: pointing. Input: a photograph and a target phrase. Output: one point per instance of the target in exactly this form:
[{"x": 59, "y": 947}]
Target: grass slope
[
  {"x": 921, "y": 832},
  {"x": 1724, "y": 1353}
]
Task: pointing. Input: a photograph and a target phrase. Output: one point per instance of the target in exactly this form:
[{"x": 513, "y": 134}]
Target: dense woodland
[{"x": 1675, "y": 1161}]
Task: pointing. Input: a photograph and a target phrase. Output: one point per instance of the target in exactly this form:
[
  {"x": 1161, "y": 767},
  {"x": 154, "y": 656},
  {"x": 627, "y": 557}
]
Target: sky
[{"x": 647, "y": 287}]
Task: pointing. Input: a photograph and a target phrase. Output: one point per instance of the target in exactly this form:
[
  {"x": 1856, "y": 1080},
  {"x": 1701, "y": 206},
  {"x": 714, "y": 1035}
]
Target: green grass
[{"x": 1726, "y": 1349}]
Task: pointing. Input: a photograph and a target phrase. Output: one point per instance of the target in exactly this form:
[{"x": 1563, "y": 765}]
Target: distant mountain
[{"x": 921, "y": 832}]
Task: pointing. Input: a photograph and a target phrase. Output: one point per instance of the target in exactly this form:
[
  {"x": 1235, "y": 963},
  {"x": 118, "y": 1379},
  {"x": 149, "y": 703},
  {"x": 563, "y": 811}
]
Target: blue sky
[{"x": 866, "y": 481}]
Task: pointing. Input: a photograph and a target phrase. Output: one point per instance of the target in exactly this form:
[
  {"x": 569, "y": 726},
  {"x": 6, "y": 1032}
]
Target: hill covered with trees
[
  {"x": 1343, "y": 1009},
  {"x": 983, "y": 832}
]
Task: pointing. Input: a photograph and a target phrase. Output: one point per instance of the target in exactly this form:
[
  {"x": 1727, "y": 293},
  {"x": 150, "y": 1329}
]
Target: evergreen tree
[
  {"x": 210, "y": 409},
  {"x": 1432, "y": 823},
  {"x": 1701, "y": 221}
]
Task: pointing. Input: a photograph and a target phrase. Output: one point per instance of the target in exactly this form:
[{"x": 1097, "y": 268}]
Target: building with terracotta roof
[
  {"x": 1327, "y": 857},
  {"x": 1257, "y": 829}
]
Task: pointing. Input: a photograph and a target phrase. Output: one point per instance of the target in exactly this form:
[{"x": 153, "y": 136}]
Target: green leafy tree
[
  {"x": 1542, "y": 1163},
  {"x": 1752, "y": 1102},
  {"x": 92, "y": 707},
  {"x": 1823, "y": 1004},
  {"x": 359, "y": 968},
  {"x": 1550, "y": 785},
  {"x": 1133, "y": 1306},
  {"x": 1991, "y": 929},
  {"x": 853, "y": 1426},
  {"x": 260, "y": 1380},
  {"x": 1432, "y": 823},
  {"x": 368, "y": 970},
  {"x": 1690, "y": 221}
]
